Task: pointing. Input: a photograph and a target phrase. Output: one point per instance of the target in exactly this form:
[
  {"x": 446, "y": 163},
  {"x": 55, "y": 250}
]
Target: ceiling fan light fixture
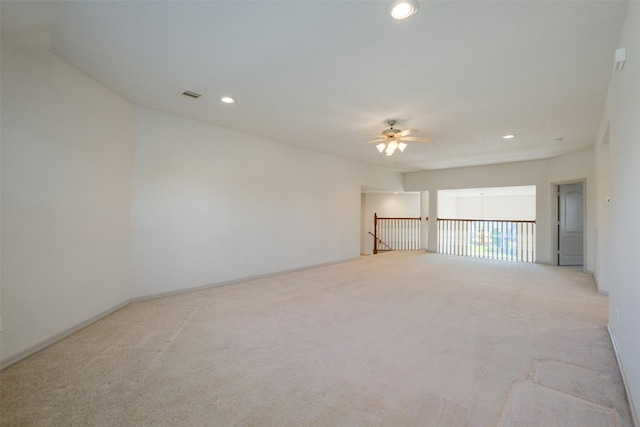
[
  {"x": 392, "y": 140},
  {"x": 391, "y": 147},
  {"x": 402, "y": 9}
]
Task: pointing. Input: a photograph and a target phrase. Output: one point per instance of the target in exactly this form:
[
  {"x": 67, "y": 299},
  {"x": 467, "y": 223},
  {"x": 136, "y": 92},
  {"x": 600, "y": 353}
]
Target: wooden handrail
[
  {"x": 415, "y": 219},
  {"x": 488, "y": 220}
]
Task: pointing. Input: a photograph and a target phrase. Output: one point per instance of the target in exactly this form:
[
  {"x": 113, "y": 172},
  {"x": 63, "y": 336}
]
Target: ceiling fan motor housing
[{"x": 391, "y": 132}]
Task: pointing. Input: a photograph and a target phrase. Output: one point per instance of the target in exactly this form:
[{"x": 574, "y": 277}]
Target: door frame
[{"x": 555, "y": 213}]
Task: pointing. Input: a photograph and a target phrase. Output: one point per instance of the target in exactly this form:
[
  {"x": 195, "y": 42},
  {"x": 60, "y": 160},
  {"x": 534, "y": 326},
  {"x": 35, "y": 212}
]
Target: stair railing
[
  {"x": 396, "y": 233},
  {"x": 494, "y": 239}
]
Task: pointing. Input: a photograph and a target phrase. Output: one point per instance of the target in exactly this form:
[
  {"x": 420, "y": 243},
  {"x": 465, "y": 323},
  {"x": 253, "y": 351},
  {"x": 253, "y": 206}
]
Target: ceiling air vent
[{"x": 191, "y": 95}]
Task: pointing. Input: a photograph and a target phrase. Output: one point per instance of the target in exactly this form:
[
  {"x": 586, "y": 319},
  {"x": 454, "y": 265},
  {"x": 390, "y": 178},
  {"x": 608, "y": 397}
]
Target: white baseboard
[
  {"x": 12, "y": 360},
  {"x": 600, "y": 291},
  {"x": 231, "y": 282},
  {"x": 632, "y": 406}
]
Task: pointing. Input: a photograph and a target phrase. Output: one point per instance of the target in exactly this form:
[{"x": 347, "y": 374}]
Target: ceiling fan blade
[
  {"x": 414, "y": 138},
  {"x": 407, "y": 132}
]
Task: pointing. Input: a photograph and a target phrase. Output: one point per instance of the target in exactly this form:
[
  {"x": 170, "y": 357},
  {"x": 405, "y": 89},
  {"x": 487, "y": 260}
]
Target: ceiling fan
[{"x": 392, "y": 139}]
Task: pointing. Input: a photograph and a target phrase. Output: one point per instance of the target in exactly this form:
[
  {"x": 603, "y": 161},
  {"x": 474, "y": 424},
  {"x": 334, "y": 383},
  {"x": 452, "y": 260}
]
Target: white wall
[
  {"x": 212, "y": 205},
  {"x": 381, "y": 179},
  {"x": 66, "y": 175},
  {"x": 514, "y": 207},
  {"x": 389, "y": 205},
  {"x": 447, "y": 206},
  {"x": 624, "y": 150},
  {"x": 85, "y": 228},
  {"x": 541, "y": 173}
]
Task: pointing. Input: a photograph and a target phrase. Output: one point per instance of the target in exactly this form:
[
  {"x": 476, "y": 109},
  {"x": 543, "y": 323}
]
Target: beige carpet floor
[{"x": 398, "y": 339}]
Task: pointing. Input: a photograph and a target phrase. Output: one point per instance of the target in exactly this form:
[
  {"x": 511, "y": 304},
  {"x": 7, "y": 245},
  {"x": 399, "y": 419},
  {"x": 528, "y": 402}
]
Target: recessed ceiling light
[
  {"x": 402, "y": 9},
  {"x": 227, "y": 100},
  {"x": 508, "y": 136}
]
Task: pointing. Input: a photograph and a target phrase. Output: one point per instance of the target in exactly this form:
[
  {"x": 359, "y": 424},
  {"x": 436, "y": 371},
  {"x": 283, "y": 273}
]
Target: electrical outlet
[{"x": 233, "y": 263}]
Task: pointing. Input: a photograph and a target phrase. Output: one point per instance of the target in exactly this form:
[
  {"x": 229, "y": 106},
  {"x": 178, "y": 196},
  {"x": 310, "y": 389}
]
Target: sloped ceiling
[{"x": 326, "y": 75}]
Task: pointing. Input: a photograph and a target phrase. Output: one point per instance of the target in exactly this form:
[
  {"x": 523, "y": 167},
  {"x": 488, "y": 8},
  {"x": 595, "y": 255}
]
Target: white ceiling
[{"x": 326, "y": 75}]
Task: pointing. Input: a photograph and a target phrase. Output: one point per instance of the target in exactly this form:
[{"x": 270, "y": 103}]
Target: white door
[{"x": 570, "y": 224}]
